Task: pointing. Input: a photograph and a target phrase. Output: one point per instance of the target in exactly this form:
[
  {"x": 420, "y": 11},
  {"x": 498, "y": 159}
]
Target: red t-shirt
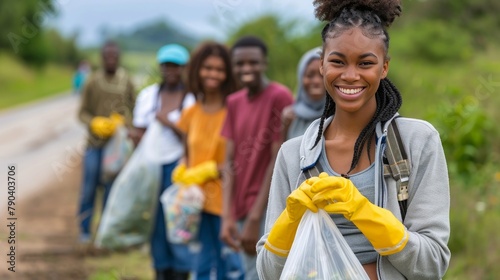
[{"x": 253, "y": 125}]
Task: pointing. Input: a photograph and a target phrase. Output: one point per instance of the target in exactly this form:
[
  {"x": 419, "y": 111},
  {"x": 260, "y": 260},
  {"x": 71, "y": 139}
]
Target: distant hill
[{"x": 149, "y": 37}]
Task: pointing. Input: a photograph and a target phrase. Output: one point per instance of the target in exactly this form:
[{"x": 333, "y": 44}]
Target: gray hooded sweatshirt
[{"x": 426, "y": 255}]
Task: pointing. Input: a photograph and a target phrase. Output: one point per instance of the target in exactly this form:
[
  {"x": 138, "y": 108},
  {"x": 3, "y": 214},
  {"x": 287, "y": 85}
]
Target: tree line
[{"x": 24, "y": 33}]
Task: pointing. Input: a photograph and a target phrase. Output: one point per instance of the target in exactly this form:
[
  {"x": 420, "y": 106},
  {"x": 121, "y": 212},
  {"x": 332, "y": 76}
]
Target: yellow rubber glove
[
  {"x": 117, "y": 119},
  {"x": 102, "y": 127},
  {"x": 282, "y": 234},
  {"x": 178, "y": 173},
  {"x": 197, "y": 175},
  {"x": 338, "y": 195}
]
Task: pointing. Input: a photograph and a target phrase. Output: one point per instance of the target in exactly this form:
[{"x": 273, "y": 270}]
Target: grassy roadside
[
  {"x": 425, "y": 85},
  {"x": 134, "y": 265},
  {"x": 22, "y": 84}
]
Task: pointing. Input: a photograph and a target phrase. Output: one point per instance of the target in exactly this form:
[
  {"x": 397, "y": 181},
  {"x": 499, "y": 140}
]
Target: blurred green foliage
[
  {"x": 436, "y": 41},
  {"x": 466, "y": 133},
  {"x": 24, "y": 34},
  {"x": 478, "y": 18},
  {"x": 23, "y": 18},
  {"x": 474, "y": 219},
  {"x": 21, "y": 83}
]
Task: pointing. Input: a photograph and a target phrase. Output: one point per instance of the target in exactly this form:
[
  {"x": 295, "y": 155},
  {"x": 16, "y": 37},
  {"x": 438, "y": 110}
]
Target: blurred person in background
[
  {"x": 253, "y": 132},
  {"x": 311, "y": 93},
  {"x": 81, "y": 74},
  {"x": 211, "y": 78},
  {"x": 165, "y": 102},
  {"x": 107, "y": 101}
]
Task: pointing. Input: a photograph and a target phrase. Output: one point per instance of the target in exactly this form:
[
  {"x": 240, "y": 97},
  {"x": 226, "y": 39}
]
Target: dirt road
[{"x": 45, "y": 142}]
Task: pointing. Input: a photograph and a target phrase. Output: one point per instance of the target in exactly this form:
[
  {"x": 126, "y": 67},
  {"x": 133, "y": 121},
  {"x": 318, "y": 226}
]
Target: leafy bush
[
  {"x": 466, "y": 133},
  {"x": 474, "y": 220},
  {"x": 437, "y": 42},
  {"x": 477, "y": 18}
]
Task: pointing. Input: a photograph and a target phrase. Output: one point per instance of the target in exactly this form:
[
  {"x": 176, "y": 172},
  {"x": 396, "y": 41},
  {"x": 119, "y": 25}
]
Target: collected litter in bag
[
  {"x": 182, "y": 207},
  {"x": 128, "y": 217},
  {"x": 319, "y": 251},
  {"x": 116, "y": 152}
]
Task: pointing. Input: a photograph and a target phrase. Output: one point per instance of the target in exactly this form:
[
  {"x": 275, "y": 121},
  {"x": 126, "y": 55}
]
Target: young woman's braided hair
[{"x": 373, "y": 18}]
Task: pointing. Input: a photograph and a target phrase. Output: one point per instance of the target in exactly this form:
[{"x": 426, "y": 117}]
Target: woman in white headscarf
[{"x": 310, "y": 96}]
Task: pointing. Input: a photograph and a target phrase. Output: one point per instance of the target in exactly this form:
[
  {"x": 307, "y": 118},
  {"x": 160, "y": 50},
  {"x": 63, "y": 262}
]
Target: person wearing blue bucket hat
[{"x": 164, "y": 102}]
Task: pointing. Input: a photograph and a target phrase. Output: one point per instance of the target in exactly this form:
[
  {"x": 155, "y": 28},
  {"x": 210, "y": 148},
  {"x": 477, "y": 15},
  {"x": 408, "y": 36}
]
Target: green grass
[
  {"x": 475, "y": 221},
  {"x": 131, "y": 265},
  {"x": 425, "y": 86},
  {"x": 134, "y": 265},
  {"x": 22, "y": 84}
]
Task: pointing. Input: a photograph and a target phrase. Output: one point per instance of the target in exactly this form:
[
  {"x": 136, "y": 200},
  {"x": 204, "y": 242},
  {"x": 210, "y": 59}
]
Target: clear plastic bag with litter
[
  {"x": 319, "y": 251},
  {"x": 182, "y": 206}
]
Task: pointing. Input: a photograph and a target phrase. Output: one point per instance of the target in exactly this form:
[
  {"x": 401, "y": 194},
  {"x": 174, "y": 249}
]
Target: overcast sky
[{"x": 204, "y": 18}]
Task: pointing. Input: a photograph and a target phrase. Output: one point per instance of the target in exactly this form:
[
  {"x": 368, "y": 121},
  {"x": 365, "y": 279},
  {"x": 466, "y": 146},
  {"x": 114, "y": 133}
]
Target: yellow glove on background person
[
  {"x": 102, "y": 127},
  {"x": 117, "y": 119},
  {"x": 338, "y": 195},
  {"x": 283, "y": 232},
  {"x": 178, "y": 173},
  {"x": 196, "y": 175}
]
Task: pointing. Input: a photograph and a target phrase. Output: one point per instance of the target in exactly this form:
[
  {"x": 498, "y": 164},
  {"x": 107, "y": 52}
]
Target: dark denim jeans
[
  {"x": 167, "y": 255},
  {"x": 91, "y": 180},
  {"x": 214, "y": 255}
]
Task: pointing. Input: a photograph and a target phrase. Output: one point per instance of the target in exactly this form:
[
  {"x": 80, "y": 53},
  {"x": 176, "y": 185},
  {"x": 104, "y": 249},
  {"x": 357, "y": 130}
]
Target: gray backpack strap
[
  {"x": 398, "y": 165},
  {"x": 313, "y": 171}
]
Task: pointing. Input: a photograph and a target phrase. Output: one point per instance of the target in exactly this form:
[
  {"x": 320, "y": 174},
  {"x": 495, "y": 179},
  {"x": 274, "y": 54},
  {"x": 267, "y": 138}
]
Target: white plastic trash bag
[
  {"x": 182, "y": 207},
  {"x": 320, "y": 252},
  {"x": 116, "y": 152},
  {"x": 129, "y": 214}
]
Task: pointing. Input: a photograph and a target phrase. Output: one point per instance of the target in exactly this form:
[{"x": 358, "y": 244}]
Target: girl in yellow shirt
[{"x": 211, "y": 79}]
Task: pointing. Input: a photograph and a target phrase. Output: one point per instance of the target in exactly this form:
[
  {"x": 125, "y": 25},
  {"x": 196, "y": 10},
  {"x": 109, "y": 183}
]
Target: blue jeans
[
  {"x": 167, "y": 255},
  {"x": 214, "y": 255},
  {"x": 91, "y": 180}
]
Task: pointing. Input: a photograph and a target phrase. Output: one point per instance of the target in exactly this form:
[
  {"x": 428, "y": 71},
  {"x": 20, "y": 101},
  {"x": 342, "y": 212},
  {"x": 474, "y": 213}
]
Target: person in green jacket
[{"x": 107, "y": 100}]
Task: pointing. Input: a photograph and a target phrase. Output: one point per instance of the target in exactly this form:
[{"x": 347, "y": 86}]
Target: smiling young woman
[
  {"x": 347, "y": 143},
  {"x": 352, "y": 66},
  {"x": 352, "y": 74}
]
